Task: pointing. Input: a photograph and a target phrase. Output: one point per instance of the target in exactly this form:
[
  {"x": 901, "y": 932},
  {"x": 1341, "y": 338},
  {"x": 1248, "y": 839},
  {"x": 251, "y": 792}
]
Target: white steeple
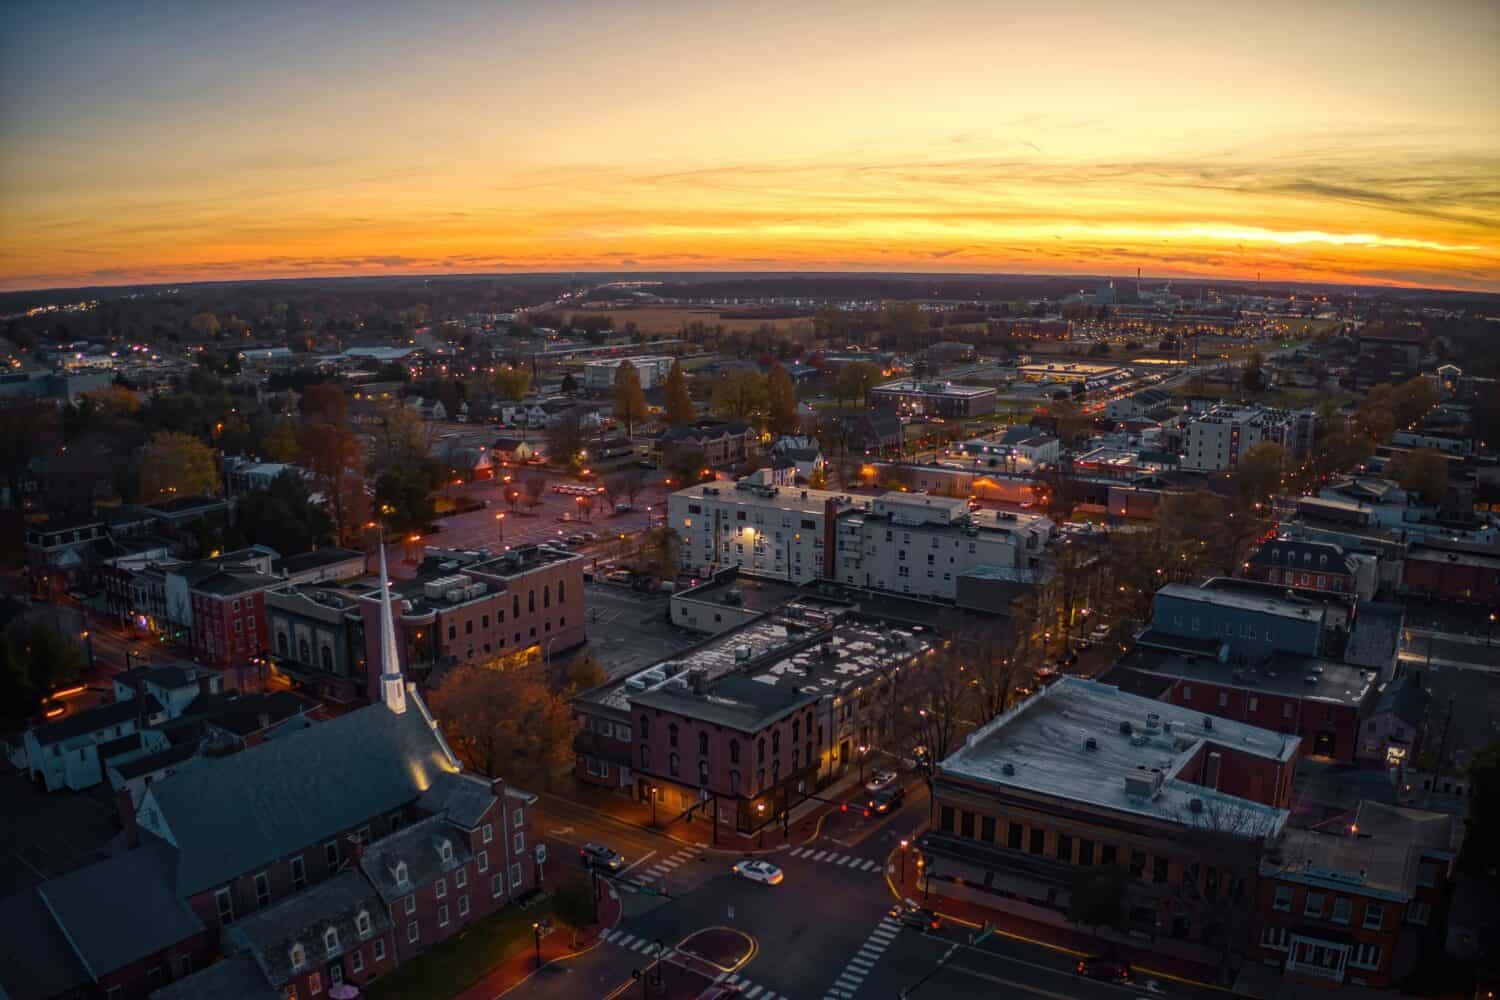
[{"x": 392, "y": 685}]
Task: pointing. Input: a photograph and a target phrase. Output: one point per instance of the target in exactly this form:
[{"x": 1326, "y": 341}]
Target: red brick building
[
  {"x": 229, "y": 617},
  {"x": 1350, "y": 904},
  {"x": 1453, "y": 575},
  {"x": 1305, "y": 565}
]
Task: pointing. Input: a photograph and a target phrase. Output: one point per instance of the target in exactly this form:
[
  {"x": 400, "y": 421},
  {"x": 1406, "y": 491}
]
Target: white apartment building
[
  {"x": 1218, "y": 439},
  {"x": 600, "y": 375},
  {"x": 912, "y": 543},
  {"x": 780, "y": 532}
]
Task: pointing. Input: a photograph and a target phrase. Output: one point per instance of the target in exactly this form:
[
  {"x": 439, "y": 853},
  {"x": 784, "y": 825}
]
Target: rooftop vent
[
  {"x": 1126, "y": 727},
  {"x": 1208, "y": 722},
  {"x": 1091, "y": 744},
  {"x": 734, "y": 596},
  {"x": 741, "y": 654},
  {"x": 1008, "y": 769},
  {"x": 1153, "y": 722},
  {"x": 1142, "y": 784},
  {"x": 1195, "y": 805}
]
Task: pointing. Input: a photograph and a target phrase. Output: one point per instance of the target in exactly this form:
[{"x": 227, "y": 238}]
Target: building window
[
  {"x": 672, "y": 735},
  {"x": 440, "y": 888},
  {"x": 262, "y": 889},
  {"x": 411, "y": 904},
  {"x": 445, "y": 851},
  {"x": 463, "y": 906},
  {"x": 1254, "y": 703},
  {"x": 1085, "y": 853},
  {"x": 298, "y": 955},
  {"x": 314, "y": 984},
  {"x": 496, "y": 886},
  {"x": 516, "y": 819},
  {"x": 225, "y": 904},
  {"x": 483, "y": 861},
  {"x": 1038, "y": 838},
  {"x": 1374, "y": 916},
  {"x": 734, "y": 751},
  {"x": 515, "y": 877},
  {"x": 461, "y": 877},
  {"x": 331, "y": 853},
  {"x": 487, "y": 832},
  {"x": 1065, "y": 848},
  {"x": 357, "y": 961},
  {"x": 380, "y": 949},
  {"x": 518, "y": 842},
  {"x": 672, "y": 764},
  {"x": 1366, "y": 956},
  {"x": 331, "y": 942},
  {"x": 413, "y": 932},
  {"x": 402, "y": 878},
  {"x": 1223, "y": 699},
  {"x": 1275, "y": 938},
  {"x": 443, "y": 916},
  {"x": 987, "y": 829},
  {"x": 1418, "y": 913},
  {"x": 1158, "y": 869},
  {"x": 645, "y": 728},
  {"x": 1013, "y": 836},
  {"x": 1313, "y": 905},
  {"x": 362, "y": 925},
  {"x": 1343, "y": 907}
]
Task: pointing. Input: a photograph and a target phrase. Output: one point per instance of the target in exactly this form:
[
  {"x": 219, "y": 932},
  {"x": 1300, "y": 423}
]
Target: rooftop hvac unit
[
  {"x": 741, "y": 654},
  {"x": 635, "y": 684},
  {"x": 453, "y": 596}
]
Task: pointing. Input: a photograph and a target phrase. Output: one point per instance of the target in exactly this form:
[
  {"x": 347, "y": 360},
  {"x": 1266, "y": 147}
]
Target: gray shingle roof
[
  {"x": 121, "y": 909},
  {"x": 269, "y": 934},
  {"x": 95, "y": 719},
  {"x": 233, "y": 814},
  {"x": 238, "y": 976},
  {"x": 419, "y": 846},
  {"x": 37, "y": 960},
  {"x": 463, "y": 798}
]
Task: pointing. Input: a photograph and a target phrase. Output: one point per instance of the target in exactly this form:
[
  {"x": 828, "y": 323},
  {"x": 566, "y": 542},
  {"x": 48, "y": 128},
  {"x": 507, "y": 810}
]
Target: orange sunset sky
[{"x": 1321, "y": 141}]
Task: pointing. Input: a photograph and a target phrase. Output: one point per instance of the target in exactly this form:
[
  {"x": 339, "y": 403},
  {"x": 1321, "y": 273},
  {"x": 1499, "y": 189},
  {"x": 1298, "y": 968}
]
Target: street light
[
  {"x": 536, "y": 930},
  {"x": 500, "y": 524},
  {"x": 904, "y": 845}
]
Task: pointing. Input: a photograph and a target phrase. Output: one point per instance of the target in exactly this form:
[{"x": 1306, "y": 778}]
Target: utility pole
[{"x": 1437, "y": 766}]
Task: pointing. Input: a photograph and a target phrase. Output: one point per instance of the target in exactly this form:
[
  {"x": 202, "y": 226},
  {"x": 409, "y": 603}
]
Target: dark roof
[
  {"x": 140, "y": 915},
  {"x": 229, "y": 815},
  {"x": 317, "y": 558},
  {"x": 37, "y": 960},
  {"x": 1300, "y": 554},
  {"x": 94, "y": 719},
  {"x": 224, "y": 584},
  {"x": 125, "y": 744},
  {"x": 735, "y": 700},
  {"x": 1139, "y": 682},
  {"x": 1198, "y": 645},
  {"x": 269, "y": 934},
  {"x": 419, "y": 846},
  {"x": 702, "y": 432},
  {"x": 1405, "y": 698},
  {"x": 463, "y": 798},
  {"x": 168, "y": 675},
  {"x": 185, "y": 505},
  {"x": 238, "y": 976},
  {"x": 154, "y": 761},
  {"x": 243, "y": 715}
]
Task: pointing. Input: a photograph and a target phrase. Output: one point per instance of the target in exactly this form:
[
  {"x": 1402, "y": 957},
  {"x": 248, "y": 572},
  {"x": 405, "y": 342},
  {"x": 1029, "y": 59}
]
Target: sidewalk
[
  {"x": 558, "y": 946},
  {"x": 1068, "y": 940},
  {"x": 803, "y": 826}
]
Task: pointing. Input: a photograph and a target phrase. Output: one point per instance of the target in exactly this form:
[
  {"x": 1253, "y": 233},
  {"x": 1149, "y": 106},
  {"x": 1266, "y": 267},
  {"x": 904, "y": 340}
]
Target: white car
[
  {"x": 881, "y": 780},
  {"x": 1100, "y": 633},
  {"x": 759, "y": 871}
]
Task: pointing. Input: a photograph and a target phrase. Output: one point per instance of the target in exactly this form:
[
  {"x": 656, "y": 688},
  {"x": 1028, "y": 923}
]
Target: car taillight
[{"x": 843, "y": 807}]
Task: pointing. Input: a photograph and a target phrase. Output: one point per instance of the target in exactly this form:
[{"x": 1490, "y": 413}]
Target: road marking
[
  {"x": 641, "y": 860},
  {"x": 820, "y": 855},
  {"x": 561, "y": 831},
  {"x": 870, "y": 866},
  {"x": 732, "y": 979},
  {"x": 871, "y": 953},
  {"x": 864, "y": 965},
  {"x": 625, "y": 940},
  {"x": 754, "y": 992},
  {"x": 639, "y": 945},
  {"x": 845, "y": 860},
  {"x": 798, "y": 852},
  {"x": 848, "y": 982}
]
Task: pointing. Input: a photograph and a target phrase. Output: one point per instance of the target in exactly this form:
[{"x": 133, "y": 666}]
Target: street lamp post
[
  {"x": 1490, "y": 636},
  {"x": 922, "y": 875},
  {"x": 88, "y": 642},
  {"x": 904, "y": 845},
  {"x": 864, "y": 751},
  {"x": 500, "y": 526},
  {"x": 536, "y": 930}
]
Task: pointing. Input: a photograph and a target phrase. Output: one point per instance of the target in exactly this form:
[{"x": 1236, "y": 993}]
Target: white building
[
  {"x": 1218, "y": 439},
  {"x": 912, "y": 543},
  {"x": 600, "y": 375},
  {"x": 781, "y": 532},
  {"x": 65, "y": 754}
]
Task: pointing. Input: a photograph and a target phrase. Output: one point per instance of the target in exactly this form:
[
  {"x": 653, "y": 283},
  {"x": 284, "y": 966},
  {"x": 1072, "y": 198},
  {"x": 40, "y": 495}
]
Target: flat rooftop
[
  {"x": 732, "y": 590},
  {"x": 787, "y": 498},
  {"x": 918, "y": 388},
  {"x": 1264, "y": 604},
  {"x": 1038, "y": 746},
  {"x": 1381, "y": 853},
  {"x": 1305, "y": 677}
]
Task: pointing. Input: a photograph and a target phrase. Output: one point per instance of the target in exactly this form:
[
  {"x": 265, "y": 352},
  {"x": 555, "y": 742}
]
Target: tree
[
  {"x": 280, "y": 442},
  {"x": 283, "y": 517},
  {"x": 565, "y": 439},
  {"x": 781, "y": 403},
  {"x": 1070, "y": 420},
  {"x": 325, "y": 403},
  {"x": 1258, "y": 476},
  {"x": 1254, "y": 376},
  {"x": 569, "y": 384},
  {"x": 629, "y": 399},
  {"x": 1481, "y": 850},
  {"x": 686, "y": 465},
  {"x": 1423, "y": 470},
  {"x": 1097, "y": 898},
  {"x": 405, "y": 493},
  {"x": 402, "y": 438},
  {"x": 534, "y": 487},
  {"x": 679, "y": 405},
  {"x": 739, "y": 396},
  {"x": 586, "y": 673},
  {"x": 205, "y": 326},
  {"x": 573, "y": 904},
  {"x": 658, "y": 556},
  {"x": 512, "y": 383},
  {"x": 855, "y": 381},
  {"x": 179, "y": 465},
  {"x": 334, "y": 457},
  {"x": 25, "y": 426},
  {"x": 36, "y": 660},
  {"x": 505, "y": 722},
  {"x": 626, "y": 484}
]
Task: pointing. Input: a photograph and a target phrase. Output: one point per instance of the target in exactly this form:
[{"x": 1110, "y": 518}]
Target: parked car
[
  {"x": 623, "y": 508},
  {"x": 1099, "y": 633},
  {"x": 1106, "y": 968},
  {"x": 574, "y": 541},
  {"x": 599, "y": 856},
  {"x": 590, "y": 536},
  {"x": 886, "y": 799},
  {"x": 881, "y": 780},
  {"x": 920, "y": 917},
  {"x": 759, "y": 871}
]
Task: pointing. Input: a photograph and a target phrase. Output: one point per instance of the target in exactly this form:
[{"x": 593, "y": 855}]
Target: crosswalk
[
  {"x": 747, "y": 989},
  {"x": 858, "y": 967},
  {"x": 835, "y": 858},
  {"x": 640, "y": 945},
  {"x": 661, "y": 869}
]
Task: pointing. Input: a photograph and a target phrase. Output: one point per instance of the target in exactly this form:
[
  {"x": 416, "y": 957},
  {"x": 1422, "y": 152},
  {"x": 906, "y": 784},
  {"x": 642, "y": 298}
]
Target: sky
[{"x": 1327, "y": 141}]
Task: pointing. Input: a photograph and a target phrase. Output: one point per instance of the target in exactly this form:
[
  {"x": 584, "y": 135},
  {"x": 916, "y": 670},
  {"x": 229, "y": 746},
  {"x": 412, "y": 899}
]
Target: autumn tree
[
  {"x": 565, "y": 439},
  {"x": 1424, "y": 471},
  {"x": 629, "y": 399},
  {"x": 854, "y": 382},
  {"x": 533, "y": 487},
  {"x": 505, "y": 722},
  {"x": 175, "y": 464},
  {"x": 573, "y": 905},
  {"x": 283, "y": 517},
  {"x": 512, "y": 382},
  {"x": 739, "y": 396},
  {"x": 1257, "y": 478},
  {"x": 280, "y": 442},
  {"x": 334, "y": 456},
  {"x": 401, "y": 438},
  {"x": 680, "y": 410},
  {"x": 781, "y": 403},
  {"x": 205, "y": 326},
  {"x": 36, "y": 660}
]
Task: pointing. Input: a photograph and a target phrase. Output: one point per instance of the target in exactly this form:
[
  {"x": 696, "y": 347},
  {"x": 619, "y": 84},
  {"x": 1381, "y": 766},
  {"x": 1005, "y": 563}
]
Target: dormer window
[
  {"x": 401, "y": 876},
  {"x": 331, "y": 941},
  {"x": 445, "y": 851},
  {"x": 362, "y": 923},
  {"x": 298, "y": 956}
]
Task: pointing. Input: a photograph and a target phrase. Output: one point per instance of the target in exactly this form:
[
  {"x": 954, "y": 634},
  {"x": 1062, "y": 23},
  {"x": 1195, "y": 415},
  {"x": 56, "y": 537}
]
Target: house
[
  {"x": 65, "y": 753},
  {"x": 317, "y": 639},
  {"x": 229, "y": 617},
  {"x": 1390, "y": 733},
  {"x": 471, "y": 464},
  {"x": 862, "y": 431},
  {"x": 243, "y": 475},
  {"x": 428, "y": 409},
  {"x": 1248, "y": 627},
  {"x": 1348, "y": 904},
  {"x": 1298, "y": 564},
  {"x": 514, "y": 451},
  {"x": 175, "y": 686},
  {"x": 58, "y": 553},
  {"x": 330, "y": 564},
  {"x": 800, "y": 454},
  {"x": 722, "y": 443}
]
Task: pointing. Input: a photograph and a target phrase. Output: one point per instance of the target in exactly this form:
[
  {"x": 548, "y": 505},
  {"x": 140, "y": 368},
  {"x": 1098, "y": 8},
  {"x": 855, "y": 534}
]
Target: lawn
[{"x": 460, "y": 961}]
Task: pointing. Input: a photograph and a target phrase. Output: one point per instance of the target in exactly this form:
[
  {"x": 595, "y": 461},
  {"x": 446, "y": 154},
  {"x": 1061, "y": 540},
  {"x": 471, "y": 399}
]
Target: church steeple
[{"x": 392, "y": 685}]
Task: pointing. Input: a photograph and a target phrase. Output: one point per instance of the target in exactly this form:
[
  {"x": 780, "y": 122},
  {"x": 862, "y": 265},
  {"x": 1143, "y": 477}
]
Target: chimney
[
  {"x": 126, "y": 808},
  {"x": 1211, "y": 770},
  {"x": 497, "y": 787},
  {"x": 356, "y": 850}
]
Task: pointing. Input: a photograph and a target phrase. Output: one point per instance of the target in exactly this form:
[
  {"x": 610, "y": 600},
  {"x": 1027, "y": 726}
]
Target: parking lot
[{"x": 629, "y": 630}]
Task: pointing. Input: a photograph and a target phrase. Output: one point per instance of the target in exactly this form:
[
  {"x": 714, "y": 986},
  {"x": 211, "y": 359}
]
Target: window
[
  {"x": 402, "y": 878},
  {"x": 331, "y": 942},
  {"x": 1013, "y": 836},
  {"x": 299, "y": 873},
  {"x": 411, "y": 904},
  {"x": 516, "y": 819},
  {"x": 413, "y": 932},
  {"x": 225, "y": 904},
  {"x": 1107, "y": 854},
  {"x": 487, "y": 832},
  {"x": 987, "y": 829},
  {"x": 1313, "y": 905},
  {"x": 331, "y": 853},
  {"x": 1223, "y": 699},
  {"x": 1085, "y": 853},
  {"x": 1374, "y": 916},
  {"x": 298, "y": 955},
  {"x": 483, "y": 858},
  {"x": 314, "y": 984},
  {"x": 1343, "y": 906},
  {"x": 734, "y": 751},
  {"x": 362, "y": 924},
  {"x": 1366, "y": 956},
  {"x": 380, "y": 949},
  {"x": 1158, "y": 869},
  {"x": 461, "y": 878},
  {"x": 760, "y": 750},
  {"x": 1275, "y": 938},
  {"x": 1418, "y": 913},
  {"x": 1038, "y": 838},
  {"x": 703, "y": 744},
  {"x": 966, "y": 824},
  {"x": 1064, "y": 848},
  {"x": 440, "y": 888},
  {"x": 445, "y": 850},
  {"x": 672, "y": 762},
  {"x": 1286, "y": 710},
  {"x": 645, "y": 728},
  {"x": 1187, "y": 692},
  {"x": 443, "y": 916},
  {"x": 463, "y": 906},
  {"x": 262, "y": 889},
  {"x": 515, "y": 876},
  {"x": 1254, "y": 703},
  {"x": 357, "y": 961}
]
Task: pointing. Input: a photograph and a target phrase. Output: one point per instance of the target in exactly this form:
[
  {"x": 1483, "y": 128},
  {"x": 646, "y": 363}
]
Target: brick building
[
  {"x": 229, "y": 617},
  {"x": 1350, "y": 904},
  {"x": 1306, "y": 565},
  {"x": 1469, "y": 577},
  {"x": 1083, "y": 776}
]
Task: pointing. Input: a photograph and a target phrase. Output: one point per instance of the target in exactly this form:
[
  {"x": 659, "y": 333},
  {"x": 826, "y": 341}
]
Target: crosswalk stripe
[
  {"x": 887, "y": 922},
  {"x": 798, "y": 852},
  {"x": 720, "y": 978},
  {"x": 753, "y": 992},
  {"x": 883, "y": 931},
  {"x": 625, "y": 940},
  {"x": 732, "y": 979},
  {"x": 845, "y": 860},
  {"x": 864, "y": 965},
  {"x": 871, "y": 866},
  {"x": 610, "y": 934},
  {"x": 638, "y": 945},
  {"x": 849, "y": 982}
]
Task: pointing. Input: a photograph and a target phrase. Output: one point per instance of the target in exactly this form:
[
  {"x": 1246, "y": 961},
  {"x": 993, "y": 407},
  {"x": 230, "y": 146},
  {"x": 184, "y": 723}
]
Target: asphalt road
[{"x": 824, "y": 932}]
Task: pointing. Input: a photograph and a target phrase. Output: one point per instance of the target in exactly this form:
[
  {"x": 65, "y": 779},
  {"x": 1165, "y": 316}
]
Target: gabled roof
[
  {"x": 37, "y": 960},
  {"x": 1405, "y": 698},
  {"x": 229, "y": 815},
  {"x": 268, "y": 934},
  {"x": 238, "y": 976},
  {"x": 419, "y": 847},
  {"x": 463, "y": 798},
  {"x": 94, "y": 719},
  {"x": 121, "y": 909}
]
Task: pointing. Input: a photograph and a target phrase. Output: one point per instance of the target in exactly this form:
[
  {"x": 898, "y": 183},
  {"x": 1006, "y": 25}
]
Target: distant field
[{"x": 668, "y": 319}]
